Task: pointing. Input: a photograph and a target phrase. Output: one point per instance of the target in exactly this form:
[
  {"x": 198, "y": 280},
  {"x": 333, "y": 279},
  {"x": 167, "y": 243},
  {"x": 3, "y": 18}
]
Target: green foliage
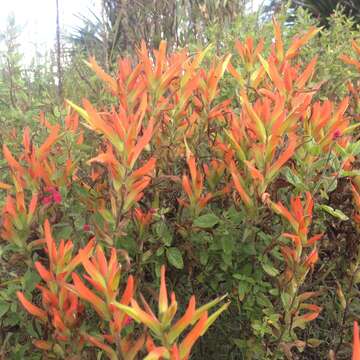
[{"x": 324, "y": 9}]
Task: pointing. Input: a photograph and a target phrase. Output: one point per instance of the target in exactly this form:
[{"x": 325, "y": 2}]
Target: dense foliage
[
  {"x": 231, "y": 162},
  {"x": 322, "y": 10}
]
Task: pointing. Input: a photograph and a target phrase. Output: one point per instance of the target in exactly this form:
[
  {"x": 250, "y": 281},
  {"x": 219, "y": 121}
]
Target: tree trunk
[{"x": 58, "y": 56}]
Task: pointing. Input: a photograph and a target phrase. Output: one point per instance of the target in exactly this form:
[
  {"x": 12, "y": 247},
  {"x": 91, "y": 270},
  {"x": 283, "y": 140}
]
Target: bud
[{"x": 340, "y": 295}]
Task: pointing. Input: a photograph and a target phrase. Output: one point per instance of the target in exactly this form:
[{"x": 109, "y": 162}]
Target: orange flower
[
  {"x": 356, "y": 342},
  {"x": 194, "y": 187},
  {"x": 32, "y": 309},
  {"x": 161, "y": 325}
]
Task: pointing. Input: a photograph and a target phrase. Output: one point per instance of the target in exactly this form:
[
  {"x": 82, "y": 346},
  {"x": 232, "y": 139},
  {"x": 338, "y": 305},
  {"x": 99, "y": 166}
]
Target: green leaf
[
  {"x": 174, "y": 257},
  {"x": 341, "y": 150},
  {"x": 293, "y": 179},
  {"x": 355, "y": 149},
  {"x": 146, "y": 256},
  {"x": 227, "y": 244},
  {"x": 4, "y": 308},
  {"x": 274, "y": 292},
  {"x": 204, "y": 257},
  {"x": 30, "y": 279},
  {"x": 331, "y": 186},
  {"x": 313, "y": 343},
  {"x": 64, "y": 233},
  {"x": 163, "y": 233},
  {"x": 79, "y": 110},
  {"x": 227, "y": 259},
  {"x": 107, "y": 215},
  {"x": 286, "y": 300},
  {"x": 243, "y": 289},
  {"x": 334, "y": 212},
  {"x": 270, "y": 269},
  {"x": 350, "y": 173},
  {"x": 160, "y": 251},
  {"x": 206, "y": 221},
  {"x": 314, "y": 149}
]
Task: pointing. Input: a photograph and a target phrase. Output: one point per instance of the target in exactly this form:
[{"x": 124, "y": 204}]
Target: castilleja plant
[
  {"x": 17, "y": 219},
  {"x": 259, "y": 138},
  {"x": 299, "y": 217},
  {"x": 40, "y": 171},
  {"x": 194, "y": 183},
  {"x": 37, "y": 171},
  {"x": 347, "y": 290},
  {"x": 264, "y": 135},
  {"x": 104, "y": 277},
  {"x": 143, "y": 220},
  {"x": 349, "y": 60},
  {"x": 348, "y": 149},
  {"x": 180, "y": 97},
  {"x": 61, "y": 310},
  {"x": 300, "y": 257},
  {"x": 216, "y": 179},
  {"x": 356, "y": 342},
  {"x": 354, "y": 62},
  {"x": 165, "y": 343},
  {"x": 326, "y": 131},
  {"x": 354, "y": 92},
  {"x": 248, "y": 56},
  {"x": 125, "y": 142},
  {"x": 194, "y": 188},
  {"x": 356, "y": 181},
  {"x": 326, "y": 124},
  {"x": 37, "y": 166},
  {"x": 160, "y": 100}
]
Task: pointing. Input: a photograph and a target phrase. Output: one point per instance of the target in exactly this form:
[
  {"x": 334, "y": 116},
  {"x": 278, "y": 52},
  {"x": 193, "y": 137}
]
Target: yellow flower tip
[{"x": 163, "y": 298}]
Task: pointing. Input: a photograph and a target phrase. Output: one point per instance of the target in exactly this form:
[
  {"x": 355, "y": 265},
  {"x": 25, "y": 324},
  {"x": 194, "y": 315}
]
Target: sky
[{"x": 37, "y": 19}]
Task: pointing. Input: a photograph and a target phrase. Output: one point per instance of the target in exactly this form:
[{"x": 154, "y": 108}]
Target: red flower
[
  {"x": 56, "y": 197},
  {"x": 47, "y": 200},
  {"x": 336, "y": 134},
  {"x": 53, "y": 197},
  {"x": 127, "y": 321}
]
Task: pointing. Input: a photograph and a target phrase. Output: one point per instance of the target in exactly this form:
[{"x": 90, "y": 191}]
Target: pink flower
[
  {"x": 127, "y": 321},
  {"x": 86, "y": 227},
  {"x": 336, "y": 134},
  {"x": 56, "y": 197},
  {"x": 47, "y": 200},
  {"x": 53, "y": 197}
]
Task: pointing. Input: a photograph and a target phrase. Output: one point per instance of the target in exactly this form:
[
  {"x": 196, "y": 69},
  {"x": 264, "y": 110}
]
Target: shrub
[{"x": 225, "y": 169}]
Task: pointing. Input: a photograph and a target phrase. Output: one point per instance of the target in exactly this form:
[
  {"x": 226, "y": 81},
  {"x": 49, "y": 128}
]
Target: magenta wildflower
[
  {"x": 47, "y": 200},
  {"x": 336, "y": 134},
  {"x": 56, "y": 197},
  {"x": 128, "y": 320},
  {"x": 53, "y": 197}
]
